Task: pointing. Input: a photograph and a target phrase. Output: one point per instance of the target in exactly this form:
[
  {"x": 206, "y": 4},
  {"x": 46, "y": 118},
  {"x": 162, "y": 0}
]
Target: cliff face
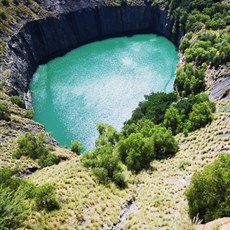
[{"x": 40, "y": 40}]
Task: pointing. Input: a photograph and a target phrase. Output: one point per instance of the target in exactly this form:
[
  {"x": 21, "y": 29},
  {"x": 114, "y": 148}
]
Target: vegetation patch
[
  {"x": 209, "y": 192},
  {"x": 4, "y": 112},
  {"x": 17, "y": 196},
  {"x": 34, "y": 146}
]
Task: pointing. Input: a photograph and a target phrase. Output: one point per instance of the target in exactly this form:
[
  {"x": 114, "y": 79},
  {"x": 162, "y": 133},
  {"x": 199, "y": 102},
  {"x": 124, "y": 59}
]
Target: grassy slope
[
  {"x": 85, "y": 203},
  {"x": 10, "y": 130},
  {"x": 160, "y": 201}
]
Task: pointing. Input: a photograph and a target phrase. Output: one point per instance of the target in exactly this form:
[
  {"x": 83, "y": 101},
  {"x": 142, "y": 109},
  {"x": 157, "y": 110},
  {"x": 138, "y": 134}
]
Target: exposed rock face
[
  {"x": 219, "y": 82},
  {"x": 41, "y": 40},
  {"x": 219, "y": 224}
]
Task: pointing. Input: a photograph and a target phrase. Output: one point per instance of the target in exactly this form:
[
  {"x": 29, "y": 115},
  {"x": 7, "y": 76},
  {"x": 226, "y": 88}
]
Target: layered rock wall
[{"x": 40, "y": 40}]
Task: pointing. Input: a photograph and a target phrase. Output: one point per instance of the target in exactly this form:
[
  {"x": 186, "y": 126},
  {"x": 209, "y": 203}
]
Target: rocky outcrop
[
  {"x": 219, "y": 224},
  {"x": 40, "y": 40},
  {"x": 219, "y": 82}
]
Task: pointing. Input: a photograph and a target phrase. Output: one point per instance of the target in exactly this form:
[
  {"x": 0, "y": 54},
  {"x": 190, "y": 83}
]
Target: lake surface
[{"x": 100, "y": 82}]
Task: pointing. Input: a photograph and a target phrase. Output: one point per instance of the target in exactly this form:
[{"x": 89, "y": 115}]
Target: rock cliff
[{"x": 40, "y": 40}]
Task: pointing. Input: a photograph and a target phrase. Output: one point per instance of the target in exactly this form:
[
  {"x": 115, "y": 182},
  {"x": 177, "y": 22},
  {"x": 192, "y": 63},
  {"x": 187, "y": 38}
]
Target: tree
[
  {"x": 153, "y": 108},
  {"x": 4, "y": 112},
  {"x": 105, "y": 165},
  {"x": 8, "y": 180},
  {"x": 172, "y": 120},
  {"x": 136, "y": 151},
  {"x": 76, "y": 147},
  {"x": 44, "y": 197},
  {"x": 17, "y": 100},
  {"x": 164, "y": 143},
  {"x": 209, "y": 191},
  {"x": 184, "y": 44},
  {"x": 201, "y": 115},
  {"x": 107, "y": 135},
  {"x": 12, "y": 208},
  {"x": 34, "y": 146},
  {"x": 143, "y": 126}
]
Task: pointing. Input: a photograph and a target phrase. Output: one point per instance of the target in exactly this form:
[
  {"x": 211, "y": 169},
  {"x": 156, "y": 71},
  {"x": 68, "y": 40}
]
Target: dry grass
[
  {"x": 85, "y": 204},
  {"x": 160, "y": 201},
  {"x": 9, "y": 132}
]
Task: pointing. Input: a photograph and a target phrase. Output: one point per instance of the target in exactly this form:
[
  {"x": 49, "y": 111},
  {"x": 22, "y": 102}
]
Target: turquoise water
[{"x": 100, "y": 82}]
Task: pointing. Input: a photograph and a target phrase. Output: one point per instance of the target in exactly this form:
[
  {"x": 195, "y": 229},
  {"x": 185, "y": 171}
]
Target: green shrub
[
  {"x": 50, "y": 159},
  {"x": 12, "y": 208},
  {"x": 172, "y": 120},
  {"x": 153, "y": 108},
  {"x": 29, "y": 114},
  {"x": 107, "y": 135},
  {"x": 190, "y": 79},
  {"x": 146, "y": 143},
  {"x": 31, "y": 145},
  {"x": 5, "y": 2},
  {"x": 17, "y": 100},
  {"x": 105, "y": 165},
  {"x": 164, "y": 143},
  {"x": 4, "y": 112},
  {"x": 8, "y": 180},
  {"x": 143, "y": 126},
  {"x": 200, "y": 116},
  {"x": 44, "y": 197},
  {"x": 34, "y": 146},
  {"x": 76, "y": 147},
  {"x": 2, "y": 16},
  {"x": 209, "y": 191},
  {"x": 136, "y": 151},
  {"x": 189, "y": 114},
  {"x": 16, "y": 2}
]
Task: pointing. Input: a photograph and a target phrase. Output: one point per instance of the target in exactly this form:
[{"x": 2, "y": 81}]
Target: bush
[
  {"x": 136, "y": 151},
  {"x": 200, "y": 116},
  {"x": 2, "y": 16},
  {"x": 105, "y": 165},
  {"x": 16, "y": 2},
  {"x": 172, "y": 120},
  {"x": 17, "y": 100},
  {"x": 5, "y": 2},
  {"x": 153, "y": 108},
  {"x": 4, "y": 112},
  {"x": 50, "y": 159},
  {"x": 107, "y": 135},
  {"x": 12, "y": 208},
  {"x": 29, "y": 114},
  {"x": 147, "y": 143},
  {"x": 32, "y": 146},
  {"x": 7, "y": 180},
  {"x": 190, "y": 79},
  {"x": 189, "y": 114},
  {"x": 44, "y": 197},
  {"x": 164, "y": 143},
  {"x": 209, "y": 191},
  {"x": 76, "y": 147}
]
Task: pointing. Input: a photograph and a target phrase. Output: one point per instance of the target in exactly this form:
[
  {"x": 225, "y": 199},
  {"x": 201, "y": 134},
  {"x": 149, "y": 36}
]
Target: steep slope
[{"x": 155, "y": 198}]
